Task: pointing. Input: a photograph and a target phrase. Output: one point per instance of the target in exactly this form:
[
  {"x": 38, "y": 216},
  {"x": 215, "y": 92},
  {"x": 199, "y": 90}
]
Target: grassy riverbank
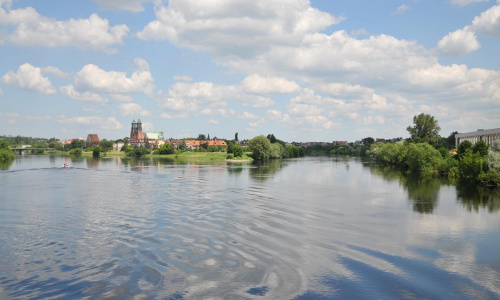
[{"x": 191, "y": 156}]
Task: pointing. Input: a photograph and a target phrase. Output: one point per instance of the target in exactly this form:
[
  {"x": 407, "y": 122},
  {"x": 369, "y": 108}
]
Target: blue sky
[{"x": 317, "y": 70}]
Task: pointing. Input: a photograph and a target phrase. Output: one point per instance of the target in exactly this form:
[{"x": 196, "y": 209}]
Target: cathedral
[{"x": 144, "y": 139}]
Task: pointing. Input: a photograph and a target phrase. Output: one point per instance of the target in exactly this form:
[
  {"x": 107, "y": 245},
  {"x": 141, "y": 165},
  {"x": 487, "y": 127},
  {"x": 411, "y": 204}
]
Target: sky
[{"x": 318, "y": 70}]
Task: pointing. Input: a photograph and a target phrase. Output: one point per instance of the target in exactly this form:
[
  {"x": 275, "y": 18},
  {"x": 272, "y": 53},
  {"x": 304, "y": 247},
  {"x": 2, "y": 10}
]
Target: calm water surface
[{"x": 312, "y": 228}]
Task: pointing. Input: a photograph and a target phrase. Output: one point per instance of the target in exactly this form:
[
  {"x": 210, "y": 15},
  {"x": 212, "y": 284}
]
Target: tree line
[{"x": 423, "y": 153}]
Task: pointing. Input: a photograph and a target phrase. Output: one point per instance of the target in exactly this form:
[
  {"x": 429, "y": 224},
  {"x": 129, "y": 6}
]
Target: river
[{"x": 309, "y": 228}]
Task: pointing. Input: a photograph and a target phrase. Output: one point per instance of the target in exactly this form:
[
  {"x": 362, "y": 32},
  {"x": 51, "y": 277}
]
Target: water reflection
[
  {"x": 473, "y": 198},
  {"x": 4, "y": 165},
  {"x": 294, "y": 229},
  {"x": 264, "y": 170},
  {"x": 423, "y": 191}
]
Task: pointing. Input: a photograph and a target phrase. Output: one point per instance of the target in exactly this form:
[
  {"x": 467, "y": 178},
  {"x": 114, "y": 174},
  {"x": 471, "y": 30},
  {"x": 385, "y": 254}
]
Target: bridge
[
  {"x": 20, "y": 151},
  {"x": 489, "y": 136}
]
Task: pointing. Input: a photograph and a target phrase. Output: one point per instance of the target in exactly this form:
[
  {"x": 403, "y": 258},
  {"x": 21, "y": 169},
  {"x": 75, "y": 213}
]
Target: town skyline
[{"x": 301, "y": 70}]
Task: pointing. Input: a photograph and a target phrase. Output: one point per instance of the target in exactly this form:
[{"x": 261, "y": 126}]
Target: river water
[{"x": 310, "y": 228}]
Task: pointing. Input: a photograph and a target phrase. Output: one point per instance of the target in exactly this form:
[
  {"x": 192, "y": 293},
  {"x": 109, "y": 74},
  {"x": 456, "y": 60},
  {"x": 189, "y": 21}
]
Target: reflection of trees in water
[
  {"x": 5, "y": 165},
  {"x": 235, "y": 169},
  {"x": 265, "y": 168},
  {"x": 92, "y": 163},
  {"x": 137, "y": 164},
  {"x": 474, "y": 197},
  {"x": 386, "y": 172},
  {"x": 423, "y": 191}
]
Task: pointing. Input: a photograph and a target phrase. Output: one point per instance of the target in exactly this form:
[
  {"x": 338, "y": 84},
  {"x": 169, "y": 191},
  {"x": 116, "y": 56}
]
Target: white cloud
[
  {"x": 121, "y": 98},
  {"x": 94, "y": 78},
  {"x": 360, "y": 32},
  {"x": 460, "y": 42},
  {"x": 205, "y": 96},
  {"x": 465, "y": 2},
  {"x": 269, "y": 85},
  {"x": 227, "y": 27},
  {"x": 176, "y": 116},
  {"x": 183, "y": 78},
  {"x": 488, "y": 23},
  {"x": 31, "y": 78},
  {"x": 70, "y": 91},
  {"x": 261, "y": 102},
  {"x": 248, "y": 116},
  {"x": 401, "y": 9},
  {"x": 213, "y": 121},
  {"x": 54, "y": 71},
  {"x": 104, "y": 123},
  {"x": 128, "y": 5},
  {"x": 133, "y": 109},
  {"x": 276, "y": 115},
  {"x": 39, "y": 31},
  {"x": 92, "y": 110}
]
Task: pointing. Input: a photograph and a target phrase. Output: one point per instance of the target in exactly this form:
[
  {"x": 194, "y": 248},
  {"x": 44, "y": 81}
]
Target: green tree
[
  {"x": 451, "y": 140},
  {"x": 6, "y": 154},
  {"x": 462, "y": 148},
  {"x": 423, "y": 158},
  {"x": 201, "y": 137},
  {"x": 230, "y": 147},
  {"x": 471, "y": 166},
  {"x": 238, "y": 151},
  {"x": 75, "y": 152},
  {"x": 137, "y": 152},
  {"x": 481, "y": 147},
  {"x": 77, "y": 144},
  {"x": 425, "y": 130},
  {"x": 182, "y": 145},
  {"x": 96, "y": 152},
  {"x": 164, "y": 149},
  {"x": 106, "y": 145},
  {"x": 368, "y": 141},
  {"x": 260, "y": 147},
  {"x": 236, "y": 136},
  {"x": 272, "y": 138}
]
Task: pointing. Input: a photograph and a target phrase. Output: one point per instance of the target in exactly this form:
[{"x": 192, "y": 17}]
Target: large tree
[
  {"x": 425, "y": 130},
  {"x": 260, "y": 147}
]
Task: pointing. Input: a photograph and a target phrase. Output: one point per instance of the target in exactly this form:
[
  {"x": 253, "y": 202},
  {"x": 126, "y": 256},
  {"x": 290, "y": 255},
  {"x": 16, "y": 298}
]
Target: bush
[
  {"x": 490, "y": 179},
  {"x": 230, "y": 147},
  {"x": 164, "y": 149},
  {"x": 238, "y": 151},
  {"x": 96, "y": 152},
  {"x": 480, "y": 147},
  {"x": 37, "y": 151},
  {"x": 462, "y": 148},
  {"x": 138, "y": 152},
  {"x": 6, "y": 154},
  {"x": 471, "y": 166},
  {"x": 423, "y": 158},
  {"x": 230, "y": 156},
  {"x": 76, "y": 152}
]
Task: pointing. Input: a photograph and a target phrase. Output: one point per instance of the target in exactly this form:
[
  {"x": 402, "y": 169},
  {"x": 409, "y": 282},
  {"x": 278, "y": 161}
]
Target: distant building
[
  {"x": 92, "y": 140},
  {"x": 136, "y": 135},
  {"x": 138, "y": 138},
  {"x": 154, "y": 139},
  {"x": 489, "y": 136}
]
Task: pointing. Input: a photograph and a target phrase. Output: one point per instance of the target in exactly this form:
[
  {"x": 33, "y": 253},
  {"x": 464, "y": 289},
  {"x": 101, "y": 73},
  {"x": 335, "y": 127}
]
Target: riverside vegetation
[
  {"x": 472, "y": 164},
  {"x": 425, "y": 152}
]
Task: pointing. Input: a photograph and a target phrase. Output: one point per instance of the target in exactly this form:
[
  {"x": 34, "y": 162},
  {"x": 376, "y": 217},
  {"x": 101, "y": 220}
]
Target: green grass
[{"x": 202, "y": 156}]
